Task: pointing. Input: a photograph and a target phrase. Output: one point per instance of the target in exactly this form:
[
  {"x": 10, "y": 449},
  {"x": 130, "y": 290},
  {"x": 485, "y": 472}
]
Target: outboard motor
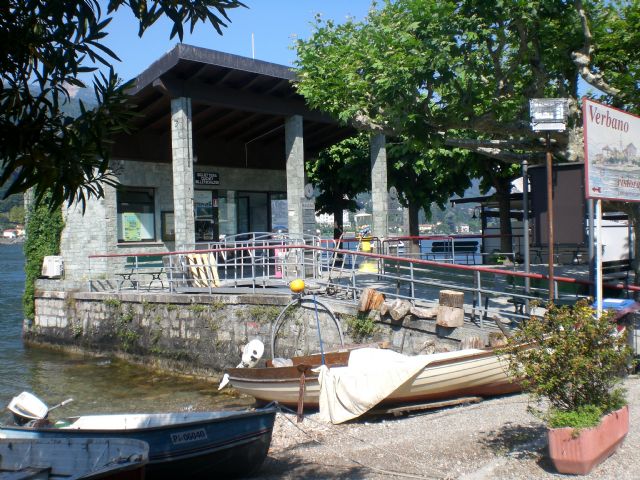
[
  {"x": 26, "y": 408},
  {"x": 251, "y": 355}
]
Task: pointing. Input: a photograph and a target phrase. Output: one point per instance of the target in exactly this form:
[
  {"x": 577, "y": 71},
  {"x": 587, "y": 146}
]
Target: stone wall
[
  {"x": 203, "y": 334},
  {"x": 94, "y": 230}
]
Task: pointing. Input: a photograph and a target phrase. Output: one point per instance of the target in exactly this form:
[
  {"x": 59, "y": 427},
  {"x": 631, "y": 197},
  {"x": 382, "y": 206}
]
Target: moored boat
[
  {"x": 194, "y": 445},
  {"x": 445, "y": 376},
  {"x": 73, "y": 459}
]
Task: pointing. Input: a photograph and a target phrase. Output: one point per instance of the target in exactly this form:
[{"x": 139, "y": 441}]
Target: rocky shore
[{"x": 495, "y": 439}]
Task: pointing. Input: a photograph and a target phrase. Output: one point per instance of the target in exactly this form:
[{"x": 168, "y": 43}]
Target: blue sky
[{"x": 274, "y": 23}]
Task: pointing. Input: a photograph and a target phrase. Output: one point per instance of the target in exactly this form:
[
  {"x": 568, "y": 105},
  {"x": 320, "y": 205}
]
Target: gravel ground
[{"x": 494, "y": 439}]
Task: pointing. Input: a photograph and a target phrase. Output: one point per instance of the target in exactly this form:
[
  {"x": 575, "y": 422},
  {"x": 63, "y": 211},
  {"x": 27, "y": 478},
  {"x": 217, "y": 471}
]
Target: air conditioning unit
[{"x": 52, "y": 267}]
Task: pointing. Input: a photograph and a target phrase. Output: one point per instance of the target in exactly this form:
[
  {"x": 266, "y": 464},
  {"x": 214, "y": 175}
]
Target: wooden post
[{"x": 451, "y": 309}]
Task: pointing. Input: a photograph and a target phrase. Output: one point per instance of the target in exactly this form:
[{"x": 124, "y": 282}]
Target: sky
[{"x": 274, "y": 23}]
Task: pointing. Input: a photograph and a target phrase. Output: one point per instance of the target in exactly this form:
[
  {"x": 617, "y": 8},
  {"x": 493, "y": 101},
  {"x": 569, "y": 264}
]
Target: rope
[
  {"x": 315, "y": 304},
  {"x": 283, "y": 410}
]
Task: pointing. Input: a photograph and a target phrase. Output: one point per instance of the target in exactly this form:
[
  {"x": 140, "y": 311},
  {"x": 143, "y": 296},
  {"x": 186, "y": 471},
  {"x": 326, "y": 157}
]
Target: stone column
[
  {"x": 182, "y": 160},
  {"x": 294, "y": 149},
  {"x": 379, "y": 190}
]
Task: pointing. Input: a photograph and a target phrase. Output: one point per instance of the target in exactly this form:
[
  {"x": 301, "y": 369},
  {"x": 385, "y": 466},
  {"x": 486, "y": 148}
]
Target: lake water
[{"x": 96, "y": 384}]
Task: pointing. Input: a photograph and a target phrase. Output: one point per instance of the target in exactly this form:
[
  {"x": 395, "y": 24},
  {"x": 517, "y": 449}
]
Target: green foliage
[
  {"x": 360, "y": 326},
  {"x": 571, "y": 358},
  {"x": 16, "y": 214},
  {"x": 42, "y": 238},
  {"x": 265, "y": 314},
  {"x": 442, "y": 74},
  {"x": 584, "y": 416},
  {"x": 351, "y": 158},
  {"x": 49, "y": 45}
]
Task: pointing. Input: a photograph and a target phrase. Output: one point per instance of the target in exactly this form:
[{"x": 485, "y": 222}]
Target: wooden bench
[
  {"x": 617, "y": 271},
  {"x": 461, "y": 247},
  {"x": 570, "y": 252},
  {"x": 142, "y": 265}
]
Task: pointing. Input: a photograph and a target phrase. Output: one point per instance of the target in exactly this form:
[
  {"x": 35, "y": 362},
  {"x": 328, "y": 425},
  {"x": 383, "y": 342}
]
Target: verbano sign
[{"x": 612, "y": 152}]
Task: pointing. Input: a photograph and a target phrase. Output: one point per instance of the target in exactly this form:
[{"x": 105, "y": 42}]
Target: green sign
[{"x": 132, "y": 227}]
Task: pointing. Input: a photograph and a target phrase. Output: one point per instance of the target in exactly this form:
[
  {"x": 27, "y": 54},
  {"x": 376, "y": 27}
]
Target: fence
[{"x": 339, "y": 272}]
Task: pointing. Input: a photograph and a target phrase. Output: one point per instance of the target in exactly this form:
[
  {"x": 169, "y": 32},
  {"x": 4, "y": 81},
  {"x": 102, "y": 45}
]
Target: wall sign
[{"x": 207, "y": 178}]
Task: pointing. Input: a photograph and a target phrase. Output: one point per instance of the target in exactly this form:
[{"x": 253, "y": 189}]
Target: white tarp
[{"x": 371, "y": 375}]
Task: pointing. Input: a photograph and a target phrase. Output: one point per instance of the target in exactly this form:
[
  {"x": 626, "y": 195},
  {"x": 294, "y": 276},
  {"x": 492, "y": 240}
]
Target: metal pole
[
  {"x": 599, "y": 257},
  {"x": 525, "y": 223},
  {"x": 550, "y": 215},
  {"x": 592, "y": 252}
]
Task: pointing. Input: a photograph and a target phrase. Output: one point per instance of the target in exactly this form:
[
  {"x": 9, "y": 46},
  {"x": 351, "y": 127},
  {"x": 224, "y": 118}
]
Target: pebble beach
[{"x": 495, "y": 439}]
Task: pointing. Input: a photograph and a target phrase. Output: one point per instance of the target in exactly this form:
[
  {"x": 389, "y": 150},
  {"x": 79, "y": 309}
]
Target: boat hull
[
  {"x": 192, "y": 445},
  {"x": 477, "y": 374},
  {"x": 81, "y": 458}
]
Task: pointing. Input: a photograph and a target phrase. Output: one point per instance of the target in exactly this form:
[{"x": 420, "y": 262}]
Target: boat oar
[{"x": 302, "y": 369}]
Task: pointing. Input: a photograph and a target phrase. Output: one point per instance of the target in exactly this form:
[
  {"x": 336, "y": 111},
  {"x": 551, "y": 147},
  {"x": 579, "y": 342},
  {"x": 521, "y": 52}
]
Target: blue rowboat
[
  {"x": 193, "y": 445},
  {"x": 73, "y": 459}
]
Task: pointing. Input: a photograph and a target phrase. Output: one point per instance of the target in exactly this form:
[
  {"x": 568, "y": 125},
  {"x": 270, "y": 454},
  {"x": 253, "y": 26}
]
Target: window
[
  {"x": 205, "y": 203},
  {"x": 136, "y": 215}
]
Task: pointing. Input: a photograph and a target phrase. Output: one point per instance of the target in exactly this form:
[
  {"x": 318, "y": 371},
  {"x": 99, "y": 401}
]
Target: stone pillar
[
  {"x": 379, "y": 190},
  {"x": 182, "y": 160},
  {"x": 294, "y": 146}
]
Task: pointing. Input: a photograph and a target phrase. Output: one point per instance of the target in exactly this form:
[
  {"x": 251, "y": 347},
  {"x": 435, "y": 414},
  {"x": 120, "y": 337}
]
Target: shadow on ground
[
  {"x": 290, "y": 466},
  {"x": 517, "y": 441}
]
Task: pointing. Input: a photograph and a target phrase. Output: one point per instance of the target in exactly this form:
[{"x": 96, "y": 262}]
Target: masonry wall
[
  {"x": 204, "y": 334},
  {"x": 94, "y": 231}
]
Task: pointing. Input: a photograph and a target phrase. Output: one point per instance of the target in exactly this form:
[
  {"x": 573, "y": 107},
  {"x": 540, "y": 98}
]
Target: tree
[
  {"x": 424, "y": 176},
  {"x": 45, "y": 46},
  {"x": 343, "y": 170},
  {"x": 16, "y": 214},
  {"x": 464, "y": 71},
  {"x": 351, "y": 158}
]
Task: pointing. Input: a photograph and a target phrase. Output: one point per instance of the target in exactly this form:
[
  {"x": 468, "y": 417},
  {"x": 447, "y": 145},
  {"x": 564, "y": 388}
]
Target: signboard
[
  {"x": 132, "y": 227},
  {"x": 207, "y": 178},
  {"x": 612, "y": 153},
  {"x": 308, "y": 216}
]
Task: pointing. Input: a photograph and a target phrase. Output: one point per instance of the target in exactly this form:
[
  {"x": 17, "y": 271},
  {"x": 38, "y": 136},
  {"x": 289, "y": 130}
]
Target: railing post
[
  {"x": 478, "y": 285},
  {"x": 413, "y": 285}
]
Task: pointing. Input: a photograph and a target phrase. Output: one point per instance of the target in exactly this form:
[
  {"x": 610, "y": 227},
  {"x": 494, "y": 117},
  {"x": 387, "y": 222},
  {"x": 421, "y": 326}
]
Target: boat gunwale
[{"x": 82, "y": 431}]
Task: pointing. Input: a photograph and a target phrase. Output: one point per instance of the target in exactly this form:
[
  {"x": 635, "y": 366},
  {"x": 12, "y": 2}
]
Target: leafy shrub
[
  {"x": 572, "y": 359},
  {"x": 361, "y": 326},
  {"x": 583, "y": 417}
]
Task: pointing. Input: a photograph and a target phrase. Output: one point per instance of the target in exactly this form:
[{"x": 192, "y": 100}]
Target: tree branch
[{"x": 582, "y": 58}]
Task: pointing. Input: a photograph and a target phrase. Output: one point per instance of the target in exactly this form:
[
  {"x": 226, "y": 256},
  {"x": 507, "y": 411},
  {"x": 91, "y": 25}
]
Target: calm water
[{"x": 96, "y": 384}]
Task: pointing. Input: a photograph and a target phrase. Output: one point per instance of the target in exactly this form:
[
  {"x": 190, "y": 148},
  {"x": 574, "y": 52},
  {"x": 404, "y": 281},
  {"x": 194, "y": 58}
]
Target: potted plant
[{"x": 573, "y": 362}]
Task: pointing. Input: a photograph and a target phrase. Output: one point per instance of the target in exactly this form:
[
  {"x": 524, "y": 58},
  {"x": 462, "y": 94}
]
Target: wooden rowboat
[{"x": 447, "y": 376}]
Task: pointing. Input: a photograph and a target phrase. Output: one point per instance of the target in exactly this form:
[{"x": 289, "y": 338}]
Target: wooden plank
[{"x": 419, "y": 407}]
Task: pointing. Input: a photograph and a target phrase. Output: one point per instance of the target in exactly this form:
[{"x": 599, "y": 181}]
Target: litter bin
[{"x": 628, "y": 316}]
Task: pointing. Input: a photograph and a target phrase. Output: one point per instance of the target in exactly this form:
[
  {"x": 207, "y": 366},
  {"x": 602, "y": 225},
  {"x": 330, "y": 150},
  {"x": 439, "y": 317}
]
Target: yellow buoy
[{"x": 297, "y": 285}]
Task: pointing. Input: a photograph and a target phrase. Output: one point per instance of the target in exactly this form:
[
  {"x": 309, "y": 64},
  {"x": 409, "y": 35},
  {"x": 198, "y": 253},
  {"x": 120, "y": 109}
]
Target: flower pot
[{"x": 579, "y": 454}]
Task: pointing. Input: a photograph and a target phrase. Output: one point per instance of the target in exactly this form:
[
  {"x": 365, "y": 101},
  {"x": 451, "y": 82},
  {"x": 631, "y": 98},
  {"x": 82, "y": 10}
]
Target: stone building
[{"x": 217, "y": 149}]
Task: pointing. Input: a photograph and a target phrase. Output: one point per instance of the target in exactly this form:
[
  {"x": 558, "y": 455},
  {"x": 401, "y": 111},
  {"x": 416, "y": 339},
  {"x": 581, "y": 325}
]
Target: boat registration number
[{"x": 190, "y": 436}]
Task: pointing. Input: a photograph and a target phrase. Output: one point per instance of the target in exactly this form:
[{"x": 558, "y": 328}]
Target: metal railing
[{"x": 341, "y": 273}]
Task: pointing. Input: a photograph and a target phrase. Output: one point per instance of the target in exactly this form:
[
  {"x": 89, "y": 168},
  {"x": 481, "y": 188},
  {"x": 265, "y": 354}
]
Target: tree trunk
[
  {"x": 338, "y": 224},
  {"x": 414, "y": 227},
  {"x": 503, "y": 194}
]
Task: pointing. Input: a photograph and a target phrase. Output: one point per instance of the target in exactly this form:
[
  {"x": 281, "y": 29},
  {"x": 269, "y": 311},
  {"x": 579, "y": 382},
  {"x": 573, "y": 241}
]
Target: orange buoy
[{"x": 297, "y": 285}]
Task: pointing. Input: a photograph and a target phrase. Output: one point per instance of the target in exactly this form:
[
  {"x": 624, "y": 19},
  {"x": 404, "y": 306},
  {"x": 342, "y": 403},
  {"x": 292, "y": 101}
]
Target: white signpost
[{"x": 612, "y": 164}]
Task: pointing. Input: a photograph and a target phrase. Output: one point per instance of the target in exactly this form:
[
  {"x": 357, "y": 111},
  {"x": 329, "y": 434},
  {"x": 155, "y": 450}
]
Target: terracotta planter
[{"x": 579, "y": 455}]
